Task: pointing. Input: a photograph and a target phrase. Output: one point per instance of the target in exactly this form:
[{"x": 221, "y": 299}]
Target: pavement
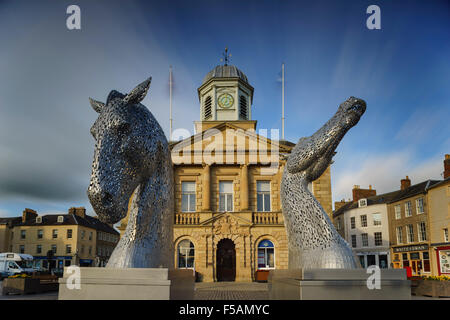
[
  {"x": 231, "y": 291},
  {"x": 203, "y": 291}
]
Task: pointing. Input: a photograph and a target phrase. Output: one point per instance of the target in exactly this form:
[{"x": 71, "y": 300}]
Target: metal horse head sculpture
[
  {"x": 312, "y": 239},
  {"x": 132, "y": 160}
]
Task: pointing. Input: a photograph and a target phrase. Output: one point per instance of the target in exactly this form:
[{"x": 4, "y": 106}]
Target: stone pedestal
[
  {"x": 337, "y": 284},
  {"x": 129, "y": 284}
]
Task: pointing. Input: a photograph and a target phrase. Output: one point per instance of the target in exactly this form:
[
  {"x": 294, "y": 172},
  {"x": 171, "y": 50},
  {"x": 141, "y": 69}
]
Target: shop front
[
  {"x": 86, "y": 262},
  {"x": 443, "y": 259},
  {"x": 373, "y": 258},
  {"x": 57, "y": 262},
  {"x": 415, "y": 258}
]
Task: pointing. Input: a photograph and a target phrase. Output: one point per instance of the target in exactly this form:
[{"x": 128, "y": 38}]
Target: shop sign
[{"x": 420, "y": 247}]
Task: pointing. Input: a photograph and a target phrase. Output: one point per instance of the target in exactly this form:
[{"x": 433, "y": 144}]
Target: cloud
[
  {"x": 384, "y": 173},
  {"x": 4, "y": 213},
  {"x": 46, "y": 149}
]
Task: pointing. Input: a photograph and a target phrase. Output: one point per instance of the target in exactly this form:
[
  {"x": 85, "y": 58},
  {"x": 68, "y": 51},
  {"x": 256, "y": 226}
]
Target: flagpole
[
  {"x": 282, "y": 101},
  {"x": 170, "y": 104}
]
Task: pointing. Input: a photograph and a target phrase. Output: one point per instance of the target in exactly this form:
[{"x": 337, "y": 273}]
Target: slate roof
[
  {"x": 391, "y": 196},
  {"x": 69, "y": 219},
  {"x": 11, "y": 221}
]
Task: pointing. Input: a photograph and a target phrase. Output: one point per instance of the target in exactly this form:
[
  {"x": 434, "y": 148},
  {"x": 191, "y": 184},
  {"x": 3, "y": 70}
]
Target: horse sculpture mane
[
  {"x": 132, "y": 160},
  {"x": 312, "y": 239}
]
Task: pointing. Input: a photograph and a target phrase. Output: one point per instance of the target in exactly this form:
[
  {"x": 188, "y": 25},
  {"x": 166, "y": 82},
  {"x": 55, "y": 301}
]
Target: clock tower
[{"x": 225, "y": 95}]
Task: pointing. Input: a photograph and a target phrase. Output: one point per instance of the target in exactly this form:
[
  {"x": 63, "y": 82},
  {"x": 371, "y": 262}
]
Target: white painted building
[{"x": 366, "y": 229}]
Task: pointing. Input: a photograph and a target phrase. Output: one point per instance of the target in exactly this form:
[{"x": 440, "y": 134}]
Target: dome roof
[{"x": 225, "y": 71}]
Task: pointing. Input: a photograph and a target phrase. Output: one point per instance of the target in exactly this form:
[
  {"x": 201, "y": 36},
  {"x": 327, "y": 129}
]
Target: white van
[{"x": 14, "y": 263}]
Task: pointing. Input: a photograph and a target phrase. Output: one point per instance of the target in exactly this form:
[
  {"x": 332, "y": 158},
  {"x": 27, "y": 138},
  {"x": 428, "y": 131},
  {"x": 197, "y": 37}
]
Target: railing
[
  {"x": 266, "y": 218},
  {"x": 187, "y": 218}
]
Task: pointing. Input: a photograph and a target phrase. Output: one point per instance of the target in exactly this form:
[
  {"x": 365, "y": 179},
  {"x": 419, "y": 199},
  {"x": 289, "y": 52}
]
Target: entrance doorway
[{"x": 226, "y": 260}]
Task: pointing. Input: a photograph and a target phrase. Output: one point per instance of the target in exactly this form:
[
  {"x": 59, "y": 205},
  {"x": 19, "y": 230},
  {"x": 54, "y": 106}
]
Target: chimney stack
[
  {"x": 80, "y": 211},
  {"x": 28, "y": 214},
  {"x": 339, "y": 204},
  {"x": 447, "y": 166},
  {"x": 359, "y": 193},
  {"x": 405, "y": 183}
]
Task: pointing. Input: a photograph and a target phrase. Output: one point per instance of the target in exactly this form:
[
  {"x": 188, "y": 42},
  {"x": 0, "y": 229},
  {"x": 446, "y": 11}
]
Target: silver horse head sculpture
[
  {"x": 312, "y": 239},
  {"x": 132, "y": 161}
]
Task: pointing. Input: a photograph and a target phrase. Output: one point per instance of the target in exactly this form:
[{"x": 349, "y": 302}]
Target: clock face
[{"x": 225, "y": 100}]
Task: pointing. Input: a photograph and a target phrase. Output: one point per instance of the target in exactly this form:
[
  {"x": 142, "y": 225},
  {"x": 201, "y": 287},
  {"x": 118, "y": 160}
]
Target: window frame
[
  {"x": 364, "y": 240},
  {"x": 408, "y": 209},
  {"x": 187, "y": 254},
  {"x": 352, "y": 222},
  {"x": 421, "y": 231},
  {"x": 189, "y": 194},
  {"x": 354, "y": 241},
  {"x": 264, "y": 193},
  {"x": 266, "y": 255},
  {"x": 377, "y": 214},
  {"x": 225, "y": 197},
  {"x": 378, "y": 242},
  {"x": 363, "y": 221},
  {"x": 398, "y": 213},
  {"x": 409, "y": 233},
  {"x": 417, "y": 206},
  {"x": 399, "y": 234}
]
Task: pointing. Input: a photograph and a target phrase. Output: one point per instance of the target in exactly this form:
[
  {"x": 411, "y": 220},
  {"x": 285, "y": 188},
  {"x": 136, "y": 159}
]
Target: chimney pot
[
  {"x": 405, "y": 183},
  {"x": 28, "y": 214},
  {"x": 359, "y": 193},
  {"x": 447, "y": 166}
]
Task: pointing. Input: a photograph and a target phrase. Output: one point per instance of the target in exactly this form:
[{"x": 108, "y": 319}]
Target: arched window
[
  {"x": 243, "y": 108},
  {"x": 207, "y": 113},
  {"x": 185, "y": 254},
  {"x": 266, "y": 255}
]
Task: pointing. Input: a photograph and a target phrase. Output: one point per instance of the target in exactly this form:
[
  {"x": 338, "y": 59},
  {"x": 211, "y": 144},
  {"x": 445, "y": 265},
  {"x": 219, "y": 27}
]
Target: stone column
[
  {"x": 244, "y": 187},
  {"x": 206, "y": 203}
]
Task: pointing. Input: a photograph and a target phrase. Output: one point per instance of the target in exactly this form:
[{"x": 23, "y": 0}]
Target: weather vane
[{"x": 226, "y": 57}]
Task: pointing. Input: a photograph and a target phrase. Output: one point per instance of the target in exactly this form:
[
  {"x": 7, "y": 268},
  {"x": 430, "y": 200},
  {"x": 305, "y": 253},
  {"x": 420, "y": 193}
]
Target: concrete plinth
[
  {"x": 337, "y": 284},
  {"x": 128, "y": 284}
]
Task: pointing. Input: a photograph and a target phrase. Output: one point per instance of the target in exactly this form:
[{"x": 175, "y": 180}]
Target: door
[
  {"x": 416, "y": 267},
  {"x": 226, "y": 260}
]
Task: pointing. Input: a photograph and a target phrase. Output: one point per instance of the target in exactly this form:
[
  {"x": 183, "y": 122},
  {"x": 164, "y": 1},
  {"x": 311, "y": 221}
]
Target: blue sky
[{"x": 47, "y": 72}]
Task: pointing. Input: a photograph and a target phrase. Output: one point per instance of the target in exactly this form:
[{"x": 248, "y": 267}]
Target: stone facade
[
  {"x": 74, "y": 238},
  {"x": 439, "y": 220},
  {"x": 228, "y": 149}
]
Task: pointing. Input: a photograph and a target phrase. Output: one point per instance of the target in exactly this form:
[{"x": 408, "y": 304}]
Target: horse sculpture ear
[
  {"x": 97, "y": 105},
  {"x": 138, "y": 94}
]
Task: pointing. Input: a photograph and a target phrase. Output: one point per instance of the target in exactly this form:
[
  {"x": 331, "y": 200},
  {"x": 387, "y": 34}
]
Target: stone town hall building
[{"x": 228, "y": 222}]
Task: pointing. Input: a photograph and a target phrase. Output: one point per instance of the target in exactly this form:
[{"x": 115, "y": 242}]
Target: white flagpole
[
  {"x": 282, "y": 101},
  {"x": 170, "y": 104}
]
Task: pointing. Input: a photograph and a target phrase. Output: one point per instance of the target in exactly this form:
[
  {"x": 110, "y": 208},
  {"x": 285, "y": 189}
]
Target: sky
[{"x": 47, "y": 73}]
